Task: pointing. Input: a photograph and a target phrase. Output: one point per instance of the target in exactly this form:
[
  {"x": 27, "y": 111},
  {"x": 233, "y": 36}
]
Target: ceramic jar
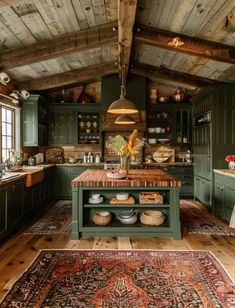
[{"x": 231, "y": 165}]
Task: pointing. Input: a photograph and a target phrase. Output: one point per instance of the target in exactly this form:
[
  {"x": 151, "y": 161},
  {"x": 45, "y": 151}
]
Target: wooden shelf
[{"x": 136, "y": 205}]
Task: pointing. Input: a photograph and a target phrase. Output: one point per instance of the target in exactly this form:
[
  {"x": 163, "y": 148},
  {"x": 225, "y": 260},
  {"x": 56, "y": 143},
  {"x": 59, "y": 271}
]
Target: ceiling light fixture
[
  {"x": 4, "y": 78},
  {"x": 124, "y": 119},
  {"x": 122, "y": 105},
  {"x": 176, "y": 42}
]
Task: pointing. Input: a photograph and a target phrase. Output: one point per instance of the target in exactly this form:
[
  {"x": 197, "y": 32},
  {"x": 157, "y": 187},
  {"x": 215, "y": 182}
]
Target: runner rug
[
  {"x": 200, "y": 221},
  {"x": 56, "y": 221},
  {"x": 128, "y": 278}
]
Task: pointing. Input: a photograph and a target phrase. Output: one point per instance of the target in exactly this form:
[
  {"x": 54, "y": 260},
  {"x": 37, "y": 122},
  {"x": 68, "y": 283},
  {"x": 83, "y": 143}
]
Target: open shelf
[{"x": 107, "y": 205}]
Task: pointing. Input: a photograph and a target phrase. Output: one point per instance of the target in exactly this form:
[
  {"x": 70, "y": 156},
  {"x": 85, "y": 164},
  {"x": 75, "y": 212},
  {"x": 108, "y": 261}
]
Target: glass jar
[{"x": 125, "y": 164}]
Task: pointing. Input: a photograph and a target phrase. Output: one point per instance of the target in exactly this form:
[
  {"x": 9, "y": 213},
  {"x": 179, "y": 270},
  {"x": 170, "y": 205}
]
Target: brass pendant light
[
  {"x": 122, "y": 105},
  {"x": 124, "y": 119}
]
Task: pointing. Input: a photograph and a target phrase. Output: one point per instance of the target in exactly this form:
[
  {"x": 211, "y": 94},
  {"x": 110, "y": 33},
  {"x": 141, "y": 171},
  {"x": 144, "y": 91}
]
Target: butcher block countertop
[{"x": 137, "y": 177}]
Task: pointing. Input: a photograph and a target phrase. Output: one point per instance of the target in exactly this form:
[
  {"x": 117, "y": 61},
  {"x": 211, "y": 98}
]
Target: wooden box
[{"x": 150, "y": 198}]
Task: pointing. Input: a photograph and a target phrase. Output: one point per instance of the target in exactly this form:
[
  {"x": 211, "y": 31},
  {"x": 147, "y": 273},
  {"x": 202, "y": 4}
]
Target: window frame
[{"x": 13, "y": 124}]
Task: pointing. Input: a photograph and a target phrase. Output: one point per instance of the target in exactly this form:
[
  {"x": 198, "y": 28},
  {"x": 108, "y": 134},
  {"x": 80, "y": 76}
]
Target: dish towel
[{"x": 232, "y": 219}]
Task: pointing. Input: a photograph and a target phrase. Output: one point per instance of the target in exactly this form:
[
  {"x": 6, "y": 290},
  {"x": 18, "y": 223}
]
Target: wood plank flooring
[{"x": 17, "y": 253}]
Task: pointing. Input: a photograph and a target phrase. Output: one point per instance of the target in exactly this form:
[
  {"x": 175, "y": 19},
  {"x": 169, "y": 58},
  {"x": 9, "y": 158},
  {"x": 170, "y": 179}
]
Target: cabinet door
[
  {"x": 218, "y": 204},
  {"x": 203, "y": 190},
  {"x": 30, "y": 123},
  {"x": 60, "y": 183},
  {"x": 63, "y": 127},
  {"x": 14, "y": 203},
  {"x": 183, "y": 125},
  {"x": 3, "y": 211},
  {"x": 229, "y": 202},
  {"x": 49, "y": 175}
]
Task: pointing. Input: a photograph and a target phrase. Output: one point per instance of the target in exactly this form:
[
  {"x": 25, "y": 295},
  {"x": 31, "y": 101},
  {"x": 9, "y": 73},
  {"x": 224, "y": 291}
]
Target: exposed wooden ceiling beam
[
  {"x": 150, "y": 71},
  {"x": 192, "y": 45},
  {"x": 60, "y": 46},
  {"x": 126, "y": 20},
  {"x": 70, "y": 77}
]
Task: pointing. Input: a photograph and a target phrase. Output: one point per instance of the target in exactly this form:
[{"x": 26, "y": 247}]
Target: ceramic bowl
[
  {"x": 122, "y": 196},
  {"x": 152, "y": 140},
  {"x": 127, "y": 217},
  {"x": 73, "y": 160},
  {"x": 151, "y": 129}
]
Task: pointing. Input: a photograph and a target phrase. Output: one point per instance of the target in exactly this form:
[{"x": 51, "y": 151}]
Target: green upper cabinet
[
  {"x": 34, "y": 121},
  {"x": 64, "y": 126}
]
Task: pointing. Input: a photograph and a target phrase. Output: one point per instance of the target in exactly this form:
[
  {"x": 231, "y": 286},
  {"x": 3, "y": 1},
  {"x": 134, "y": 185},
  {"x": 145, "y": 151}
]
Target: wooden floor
[{"x": 19, "y": 251}]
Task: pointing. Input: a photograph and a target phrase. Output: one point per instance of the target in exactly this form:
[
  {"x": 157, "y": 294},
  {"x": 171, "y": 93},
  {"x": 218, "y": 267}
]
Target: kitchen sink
[
  {"x": 8, "y": 175},
  {"x": 33, "y": 174}
]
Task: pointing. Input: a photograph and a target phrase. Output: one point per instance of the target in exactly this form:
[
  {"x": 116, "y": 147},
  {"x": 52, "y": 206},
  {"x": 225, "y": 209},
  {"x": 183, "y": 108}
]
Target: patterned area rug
[
  {"x": 56, "y": 221},
  {"x": 199, "y": 221},
  {"x": 121, "y": 279}
]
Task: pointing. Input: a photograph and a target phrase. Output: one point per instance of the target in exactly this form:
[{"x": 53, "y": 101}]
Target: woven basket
[
  {"x": 150, "y": 198},
  {"x": 152, "y": 218},
  {"x": 102, "y": 218}
]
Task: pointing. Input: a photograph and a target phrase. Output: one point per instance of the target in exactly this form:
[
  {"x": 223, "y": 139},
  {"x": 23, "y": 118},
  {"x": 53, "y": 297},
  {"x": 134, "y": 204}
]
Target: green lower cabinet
[
  {"x": 11, "y": 207},
  {"x": 3, "y": 211},
  {"x": 60, "y": 183},
  {"x": 49, "y": 185},
  {"x": 15, "y": 212},
  {"x": 37, "y": 196},
  {"x": 224, "y": 196}
]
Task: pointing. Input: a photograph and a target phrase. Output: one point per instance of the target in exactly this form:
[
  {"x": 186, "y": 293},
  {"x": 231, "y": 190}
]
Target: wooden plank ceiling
[{"x": 56, "y": 43}]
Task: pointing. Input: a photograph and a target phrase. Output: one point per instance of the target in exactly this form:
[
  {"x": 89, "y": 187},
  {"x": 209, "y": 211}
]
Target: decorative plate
[
  {"x": 161, "y": 157},
  {"x": 96, "y": 201}
]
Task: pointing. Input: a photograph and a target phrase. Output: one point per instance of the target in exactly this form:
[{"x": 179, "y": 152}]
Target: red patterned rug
[
  {"x": 56, "y": 221},
  {"x": 123, "y": 279},
  {"x": 199, "y": 221}
]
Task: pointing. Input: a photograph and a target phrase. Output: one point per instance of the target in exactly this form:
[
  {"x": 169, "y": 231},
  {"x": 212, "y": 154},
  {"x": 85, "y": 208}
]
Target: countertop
[
  {"x": 136, "y": 178},
  {"x": 226, "y": 172}
]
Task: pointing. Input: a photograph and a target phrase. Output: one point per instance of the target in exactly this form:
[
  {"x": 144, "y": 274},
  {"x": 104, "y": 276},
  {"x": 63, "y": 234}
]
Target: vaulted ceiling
[{"x": 46, "y": 44}]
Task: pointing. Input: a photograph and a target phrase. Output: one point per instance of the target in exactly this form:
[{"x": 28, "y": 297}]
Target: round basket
[
  {"x": 152, "y": 218},
  {"x": 102, "y": 218}
]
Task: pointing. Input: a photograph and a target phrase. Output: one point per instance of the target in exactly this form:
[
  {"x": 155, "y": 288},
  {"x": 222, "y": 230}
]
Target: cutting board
[{"x": 130, "y": 200}]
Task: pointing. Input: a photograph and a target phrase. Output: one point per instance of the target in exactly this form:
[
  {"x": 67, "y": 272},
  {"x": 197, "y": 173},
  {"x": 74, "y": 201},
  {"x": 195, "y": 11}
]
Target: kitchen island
[{"x": 140, "y": 180}]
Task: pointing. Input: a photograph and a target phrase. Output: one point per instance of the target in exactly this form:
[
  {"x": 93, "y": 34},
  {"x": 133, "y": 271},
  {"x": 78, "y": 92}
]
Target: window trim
[{"x": 13, "y": 123}]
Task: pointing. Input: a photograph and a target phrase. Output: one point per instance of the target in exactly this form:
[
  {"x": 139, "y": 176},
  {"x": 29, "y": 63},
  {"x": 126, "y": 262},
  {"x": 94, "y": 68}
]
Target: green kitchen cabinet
[
  {"x": 34, "y": 121},
  {"x": 63, "y": 126},
  {"x": 49, "y": 185},
  {"x": 3, "y": 211},
  {"x": 15, "y": 211},
  {"x": 63, "y": 119},
  {"x": 224, "y": 196},
  {"x": 11, "y": 207},
  {"x": 213, "y": 136},
  {"x": 60, "y": 183}
]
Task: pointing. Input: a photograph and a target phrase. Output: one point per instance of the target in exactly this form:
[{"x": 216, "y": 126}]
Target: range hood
[{"x": 136, "y": 92}]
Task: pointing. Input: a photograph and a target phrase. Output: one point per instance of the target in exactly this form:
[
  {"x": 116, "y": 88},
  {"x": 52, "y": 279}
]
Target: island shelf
[{"x": 96, "y": 181}]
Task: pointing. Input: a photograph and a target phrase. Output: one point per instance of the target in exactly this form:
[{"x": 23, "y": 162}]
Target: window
[{"x": 7, "y": 131}]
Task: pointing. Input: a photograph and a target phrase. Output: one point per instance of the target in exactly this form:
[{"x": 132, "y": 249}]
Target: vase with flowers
[
  {"x": 126, "y": 149},
  {"x": 230, "y": 159}
]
